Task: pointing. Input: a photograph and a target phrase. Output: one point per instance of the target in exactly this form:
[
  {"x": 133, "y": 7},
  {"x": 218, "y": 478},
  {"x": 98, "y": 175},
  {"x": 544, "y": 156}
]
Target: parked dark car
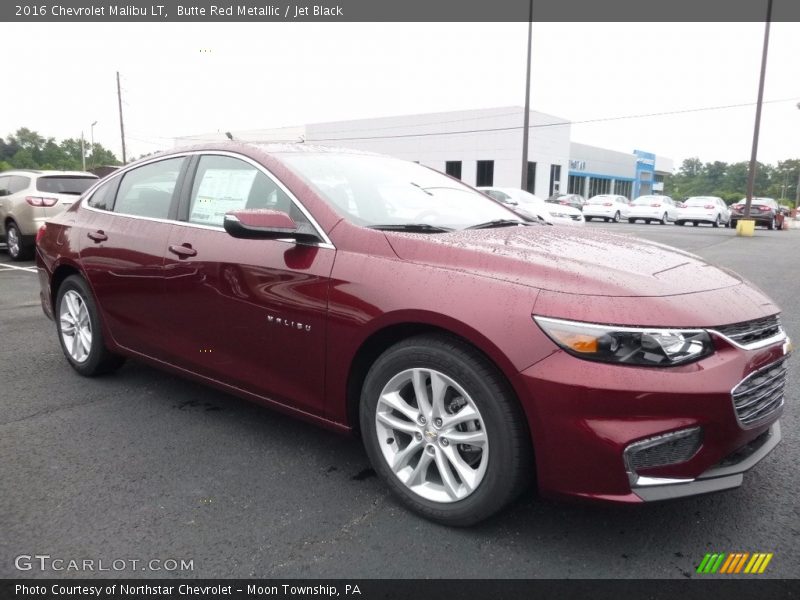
[
  {"x": 469, "y": 348},
  {"x": 764, "y": 211},
  {"x": 573, "y": 200}
]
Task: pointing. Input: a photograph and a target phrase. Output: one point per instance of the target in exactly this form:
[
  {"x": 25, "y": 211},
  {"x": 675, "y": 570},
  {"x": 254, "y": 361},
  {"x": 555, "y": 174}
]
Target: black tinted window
[
  {"x": 17, "y": 183},
  {"x": 65, "y": 185},
  {"x": 147, "y": 191},
  {"x": 103, "y": 196}
]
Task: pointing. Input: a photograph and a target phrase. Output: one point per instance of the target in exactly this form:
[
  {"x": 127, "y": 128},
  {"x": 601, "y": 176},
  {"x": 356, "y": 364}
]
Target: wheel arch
[{"x": 388, "y": 334}]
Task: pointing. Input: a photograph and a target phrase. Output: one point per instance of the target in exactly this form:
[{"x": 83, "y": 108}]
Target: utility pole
[
  {"x": 526, "y": 119},
  {"x": 121, "y": 126},
  {"x": 83, "y": 153},
  {"x": 751, "y": 176},
  {"x": 91, "y": 137}
]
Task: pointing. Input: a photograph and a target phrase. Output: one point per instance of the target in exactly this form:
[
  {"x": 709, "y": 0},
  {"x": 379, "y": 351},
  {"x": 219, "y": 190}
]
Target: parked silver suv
[{"x": 28, "y": 198}]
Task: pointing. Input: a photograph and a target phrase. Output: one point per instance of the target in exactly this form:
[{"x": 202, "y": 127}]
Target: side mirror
[{"x": 260, "y": 224}]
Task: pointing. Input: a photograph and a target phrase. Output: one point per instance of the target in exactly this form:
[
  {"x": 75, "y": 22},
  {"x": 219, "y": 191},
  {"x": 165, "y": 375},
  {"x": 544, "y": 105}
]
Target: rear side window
[
  {"x": 74, "y": 185},
  {"x": 223, "y": 184},
  {"x": 4, "y": 185},
  {"x": 17, "y": 183},
  {"x": 147, "y": 191},
  {"x": 102, "y": 198}
]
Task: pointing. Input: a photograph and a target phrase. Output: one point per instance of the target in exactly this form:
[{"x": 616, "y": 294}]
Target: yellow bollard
[{"x": 745, "y": 227}]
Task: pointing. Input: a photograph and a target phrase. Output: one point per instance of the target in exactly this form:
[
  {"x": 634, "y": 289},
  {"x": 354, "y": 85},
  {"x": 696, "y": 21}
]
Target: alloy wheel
[
  {"x": 13, "y": 241},
  {"x": 76, "y": 326},
  {"x": 432, "y": 435}
]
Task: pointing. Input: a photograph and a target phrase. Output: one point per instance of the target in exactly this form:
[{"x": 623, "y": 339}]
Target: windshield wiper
[
  {"x": 498, "y": 223},
  {"x": 413, "y": 227}
]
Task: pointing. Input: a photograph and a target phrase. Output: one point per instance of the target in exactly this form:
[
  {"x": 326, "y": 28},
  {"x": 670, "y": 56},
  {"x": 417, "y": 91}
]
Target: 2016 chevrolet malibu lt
[{"x": 473, "y": 351}]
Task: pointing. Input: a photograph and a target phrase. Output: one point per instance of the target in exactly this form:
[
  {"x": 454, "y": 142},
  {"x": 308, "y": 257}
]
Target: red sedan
[{"x": 470, "y": 348}]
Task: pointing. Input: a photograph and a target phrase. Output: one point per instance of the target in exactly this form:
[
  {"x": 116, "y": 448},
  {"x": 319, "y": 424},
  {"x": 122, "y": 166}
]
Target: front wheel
[
  {"x": 617, "y": 217},
  {"x": 663, "y": 220},
  {"x": 79, "y": 330},
  {"x": 716, "y": 222},
  {"x": 443, "y": 429}
]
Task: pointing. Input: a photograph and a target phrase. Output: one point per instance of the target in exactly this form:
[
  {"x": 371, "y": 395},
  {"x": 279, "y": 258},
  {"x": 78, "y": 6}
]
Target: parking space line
[{"x": 9, "y": 267}]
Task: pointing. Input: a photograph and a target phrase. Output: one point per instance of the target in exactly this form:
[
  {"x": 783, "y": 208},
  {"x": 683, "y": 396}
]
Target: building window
[
  {"x": 485, "y": 173},
  {"x": 555, "y": 179},
  {"x": 453, "y": 168},
  {"x": 576, "y": 185},
  {"x": 531, "y": 177},
  {"x": 623, "y": 188},
  {"x": 598, "y": 186}
]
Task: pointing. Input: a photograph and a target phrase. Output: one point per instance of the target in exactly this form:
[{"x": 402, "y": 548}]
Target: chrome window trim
[{"x": 326, "y": 241}]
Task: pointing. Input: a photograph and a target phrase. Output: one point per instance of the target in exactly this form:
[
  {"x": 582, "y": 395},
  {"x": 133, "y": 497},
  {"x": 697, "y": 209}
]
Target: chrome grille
[
  {"x": 760, "y": 394},
  {"x": 751, "y": 331}
]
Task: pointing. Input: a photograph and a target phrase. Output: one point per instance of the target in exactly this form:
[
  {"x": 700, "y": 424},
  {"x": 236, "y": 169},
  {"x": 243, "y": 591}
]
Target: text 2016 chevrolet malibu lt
[{"x": 474, "y": 352}]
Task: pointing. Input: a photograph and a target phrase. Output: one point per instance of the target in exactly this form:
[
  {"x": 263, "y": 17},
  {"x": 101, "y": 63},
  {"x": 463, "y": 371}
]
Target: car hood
[{"x": 586, "y": 262}]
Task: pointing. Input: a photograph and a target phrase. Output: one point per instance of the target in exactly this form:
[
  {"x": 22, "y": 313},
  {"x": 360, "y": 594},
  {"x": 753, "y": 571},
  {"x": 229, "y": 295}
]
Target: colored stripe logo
[{"x": 735, "y": 563}]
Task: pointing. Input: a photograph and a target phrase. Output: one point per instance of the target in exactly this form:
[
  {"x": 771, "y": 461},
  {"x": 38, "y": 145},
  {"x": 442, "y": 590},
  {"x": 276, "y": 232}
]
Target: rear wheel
[
  {"x": 442, "y": 428},
  {"x": 79, "y": 330},
  {"x": 18, "y": 249}
]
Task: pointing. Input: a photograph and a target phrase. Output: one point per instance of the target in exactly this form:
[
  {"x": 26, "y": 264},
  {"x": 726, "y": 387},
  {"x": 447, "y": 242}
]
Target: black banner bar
[
  {"x": 705, "y": 588},
  {"x": 395, "y": 10}
]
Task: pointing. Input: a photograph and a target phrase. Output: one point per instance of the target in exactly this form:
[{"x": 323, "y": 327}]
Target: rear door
[
  {"x": 250, "y": 313},
  {"x": 122, "y": 251}
]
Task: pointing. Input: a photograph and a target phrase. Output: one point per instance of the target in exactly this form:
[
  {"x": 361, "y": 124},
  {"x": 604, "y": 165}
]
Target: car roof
[{"x": 48, "y": 173}]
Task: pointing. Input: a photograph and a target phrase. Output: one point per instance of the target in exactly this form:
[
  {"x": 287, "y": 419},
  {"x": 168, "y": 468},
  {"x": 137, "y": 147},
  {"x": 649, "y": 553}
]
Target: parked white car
[
  {"x": 608, "y": 207},
  {"x": 528, "y": 204},
  {"x": 703, "y": 209},
  {"x": 660, "y": 209}
]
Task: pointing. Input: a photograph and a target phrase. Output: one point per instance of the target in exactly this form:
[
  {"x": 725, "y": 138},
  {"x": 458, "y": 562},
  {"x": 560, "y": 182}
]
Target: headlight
[{"x": 628, "y": 345}]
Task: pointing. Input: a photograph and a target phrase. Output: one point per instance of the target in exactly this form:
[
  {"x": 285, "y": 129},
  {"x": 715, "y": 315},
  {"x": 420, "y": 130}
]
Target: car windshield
[
  {"x": 699, "y": 201},
  {"x": 65, "y": 185},
  {"x": 376, "y": 191}
]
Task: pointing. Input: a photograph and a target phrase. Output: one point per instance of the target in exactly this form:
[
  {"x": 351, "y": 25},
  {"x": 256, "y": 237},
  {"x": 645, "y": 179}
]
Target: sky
[{"x": 190, "y": 78}]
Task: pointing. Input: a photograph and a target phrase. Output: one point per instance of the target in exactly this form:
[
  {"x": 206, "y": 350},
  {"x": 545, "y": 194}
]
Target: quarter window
[
  {"x": 223, "y": 184},
  {"x": 147, "y": 191},
  {"x": 4, "y": 186},
  {"x": 17, "y": 183},
  {"x": 103, "y": 196}
]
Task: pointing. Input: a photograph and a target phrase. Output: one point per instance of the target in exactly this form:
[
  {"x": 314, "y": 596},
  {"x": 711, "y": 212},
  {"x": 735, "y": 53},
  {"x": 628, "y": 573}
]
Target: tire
[
  {"x": 76, "y": 309},
  {"x": 494, "y": 472},
  {"x": 17, "y": 248},
  {"x": 716, "y": 222},
  {"x": 647, "y": 221},
  {"x": 664, "y": 219},
  {"x": 617, "y": 217},
  {"x": 695, "y": 223},
  {"x": 771, "y": 224},
  {"x": 587, "y": 219},
  {"x": 732, "y": 223},
  {"x": 632, "y": 221},
  {"x": 680, "y": 222}
]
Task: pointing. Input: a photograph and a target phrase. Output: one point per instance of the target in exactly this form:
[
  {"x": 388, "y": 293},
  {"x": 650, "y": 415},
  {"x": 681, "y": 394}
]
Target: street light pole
[
  {"x": 92, "y": 139},
  {"x": 526, "y": 118}
]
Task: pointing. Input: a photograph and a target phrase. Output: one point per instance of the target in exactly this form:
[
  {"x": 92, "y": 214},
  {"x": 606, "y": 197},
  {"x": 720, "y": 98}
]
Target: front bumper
[{"x": 584, "y": 415}]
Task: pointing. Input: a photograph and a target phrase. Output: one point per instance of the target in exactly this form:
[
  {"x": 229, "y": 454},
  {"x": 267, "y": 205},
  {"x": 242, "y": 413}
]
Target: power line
[{"x": 554, "y": 124}]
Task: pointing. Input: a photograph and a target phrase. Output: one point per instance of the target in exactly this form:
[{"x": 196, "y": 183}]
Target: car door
[
  {"x": 122, "y": 249},
  {"x": 250, "y": 313}
]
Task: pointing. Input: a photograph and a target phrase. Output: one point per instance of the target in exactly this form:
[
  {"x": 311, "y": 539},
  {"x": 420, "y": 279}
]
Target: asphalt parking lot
[{"x": 145, "y": 465}]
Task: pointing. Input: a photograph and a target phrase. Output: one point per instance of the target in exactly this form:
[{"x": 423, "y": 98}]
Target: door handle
[
  {"x": 183, "y": 251},
  {"x": 97, "y": 236}
]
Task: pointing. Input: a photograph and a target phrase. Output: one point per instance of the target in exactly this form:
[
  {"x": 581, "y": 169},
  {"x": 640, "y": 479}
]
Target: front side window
[
  {"x": 147, "y": 190},
  {"x": 223, "y": 184}
]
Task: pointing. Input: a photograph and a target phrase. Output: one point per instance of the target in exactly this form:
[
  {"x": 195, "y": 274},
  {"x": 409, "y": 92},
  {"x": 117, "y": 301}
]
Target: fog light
[{"x": 662, "y": 450}]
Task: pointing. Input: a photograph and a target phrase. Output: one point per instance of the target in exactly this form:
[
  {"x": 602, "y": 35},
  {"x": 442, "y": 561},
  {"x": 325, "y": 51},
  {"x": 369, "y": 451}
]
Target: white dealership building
[{"x": 482, "y": 147}]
